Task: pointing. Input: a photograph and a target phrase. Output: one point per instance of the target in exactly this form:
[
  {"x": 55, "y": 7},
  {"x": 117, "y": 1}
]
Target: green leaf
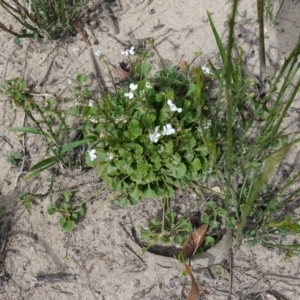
[
  {"x": 148, "y": 120},
  {"x": 48, "y": 162},
  {"x": 124, "y": 166},
  {"x": 74, "y": 216},
  {"x": 102, "y": 168},
  {"x": 221, "y": 212},
  {"x": 133, "y": 201},
  {"x": 180, "y": 170},
  {"x": 116, "y": 184},
  {"x": 205, "y": 218},
  {"x": 81, "y": 78},
  {"x": 37, "y": 172},
  {"x": 165, "y": 239},
  {"x": 79, "y": 210},
  {"x": 137, "y": 178},
  {"x": 172, "y": 217},
  {"x": 135, "y": 128},
  {"x": 73, "y": 145},
  {"x": 112, "y": 170},
  {"x": 17, "y": 41},
  {"x": 211, "y": 205},
  {"x": 143, "y": 167},
  {"x": 65, "y": 206},
  {"x": 214, "y": 224},
  {"x": 217, "y": 38},
  {"x": 209, "y": 241},
  {"x": 143, "y": 69},
  {"x": 136, "y": 192},
  {"x": 29, "y": 130},
  {"x": 148, "y": 193},
  {"x": 169, "y": 148},
  {"x": 150, "y": 177},
  {"x": 195, "y": 165},
  {"x": 66, "y": 195},
  {"x": 51, "y": 209},
  {"x": 122, "y": 201},
  {"x": 66, "y": 225}
]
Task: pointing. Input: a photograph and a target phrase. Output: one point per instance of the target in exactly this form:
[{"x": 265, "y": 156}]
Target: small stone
[
  {"x": 172, "y": 283},
  {"x": 75, "y": 49},
  {"x": 115, "y": 288}
]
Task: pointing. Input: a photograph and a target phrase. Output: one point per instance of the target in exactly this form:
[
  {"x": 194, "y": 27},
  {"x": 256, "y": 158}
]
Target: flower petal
[
  {"x": 131, "y": 50},
  {"x": 133, "y": 86},
  {"x": 169, "y": 102},
  {"x": 129, "y": 95},
  {"x": 206, "y": 70},
  {"x": 98, "y": 53},
  {"x": 168, "y": 129},
  {"x": 92, "y": 154}
]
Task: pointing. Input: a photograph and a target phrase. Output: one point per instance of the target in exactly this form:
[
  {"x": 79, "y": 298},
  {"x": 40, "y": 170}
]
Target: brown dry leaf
[
  {"x": 183, "y": 64},
  {"x": 194, "y": 241},
  {"x": 194, "y": 291}
]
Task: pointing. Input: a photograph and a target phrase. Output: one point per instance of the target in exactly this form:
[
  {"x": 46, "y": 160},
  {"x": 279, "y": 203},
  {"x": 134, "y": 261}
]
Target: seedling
[
  {"x": 71, "y": 213},
  {"x": 15, "y": 157}
]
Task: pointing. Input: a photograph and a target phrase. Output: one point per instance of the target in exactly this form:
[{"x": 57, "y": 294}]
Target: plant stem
[
  {"x": 261, "y": 38},
  {"x": 229, "y": 98}
]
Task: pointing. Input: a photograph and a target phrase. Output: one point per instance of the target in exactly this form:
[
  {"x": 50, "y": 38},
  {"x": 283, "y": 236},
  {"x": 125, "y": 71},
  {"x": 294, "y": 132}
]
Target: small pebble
[
  {"x": 75, "y": 49},
  {"x": 115, "y": 288},
  {"x": 172, "y": 283}
]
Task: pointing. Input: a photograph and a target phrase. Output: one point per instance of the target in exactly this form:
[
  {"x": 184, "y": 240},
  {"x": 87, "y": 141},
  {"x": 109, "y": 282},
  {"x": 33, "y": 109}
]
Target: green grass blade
[
  {"x": 28, "y": 130},
  {"x": 217, "y": 37},
  {"x": 37, "y": 172},
  {"x": 73, "y": 145},
  {"x": 43, "y": 163},
  {"x": 246, "y": 208}
]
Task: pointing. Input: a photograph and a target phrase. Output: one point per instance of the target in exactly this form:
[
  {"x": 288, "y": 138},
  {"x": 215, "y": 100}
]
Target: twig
[
  {"x": 80, "y": 31},
  {"x": 25, "y": 62},
  {"x": 24, "y": 151},
  {"x": 261, "y": 52},
  {"x": 107, "y": 14},
  {"x": 6, "y": 64},
  {"x": 230, "y": 258},
  {"x": 46, "y": 75},
  {"x": 6, "y": 140},
  {"x": 99, "y": 77}
]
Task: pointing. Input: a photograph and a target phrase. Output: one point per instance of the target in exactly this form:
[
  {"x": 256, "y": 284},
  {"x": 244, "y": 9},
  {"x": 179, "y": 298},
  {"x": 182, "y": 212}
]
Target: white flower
[
  {"x": 91, "y": 103},
  {"x": 128, "y": 51},
  {"x": 98, "y": 53},
  {"x": 129, "y": 95},
  {"x": 207, "y": 125},
  {"x": 173, "y": 107},
  {"x": 148, "y": 85},
  {"x": 154, "y": 136},
  {"x": 133, "y": 86},
  {"x": 168, "y": 129},
  {"x": 92, "y": 154},
  {"x": 206, "y": 70}
]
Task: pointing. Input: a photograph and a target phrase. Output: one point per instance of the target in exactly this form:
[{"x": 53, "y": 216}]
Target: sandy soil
[{"x": 104, "y": 261}]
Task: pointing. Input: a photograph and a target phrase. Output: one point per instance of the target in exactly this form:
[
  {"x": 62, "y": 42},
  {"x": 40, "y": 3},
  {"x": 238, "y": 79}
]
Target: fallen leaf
[
  {"x": 215, "y": 255},
  {"x": 216, "y": 189},
  {"x": 194, "y": 291},
  {"x": 183, "y": 64},
  {"x": 194, "y": 241}
]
